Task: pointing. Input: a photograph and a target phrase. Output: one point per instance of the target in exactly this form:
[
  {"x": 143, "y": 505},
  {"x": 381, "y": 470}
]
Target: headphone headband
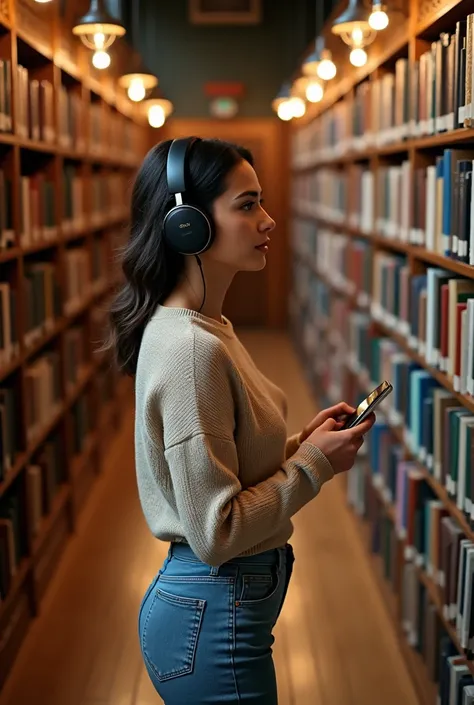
[{"x": 176, "y": 164}]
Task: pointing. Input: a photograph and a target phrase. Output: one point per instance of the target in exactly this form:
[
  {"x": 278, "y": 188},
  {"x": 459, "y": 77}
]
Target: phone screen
[{"x": 368, "y": 404}]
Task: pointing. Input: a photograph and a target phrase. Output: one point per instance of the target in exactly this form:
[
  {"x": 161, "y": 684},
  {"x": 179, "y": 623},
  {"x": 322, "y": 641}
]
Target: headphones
[{"x": 187, "y": 229}]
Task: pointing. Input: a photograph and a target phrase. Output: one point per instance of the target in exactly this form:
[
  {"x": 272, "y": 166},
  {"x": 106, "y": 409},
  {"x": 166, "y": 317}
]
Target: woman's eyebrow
[{"x": 254, "y": 194}]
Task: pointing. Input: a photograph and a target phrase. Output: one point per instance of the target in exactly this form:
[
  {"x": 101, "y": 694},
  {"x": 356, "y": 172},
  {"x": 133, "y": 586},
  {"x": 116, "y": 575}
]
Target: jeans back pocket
[{"x": 170, "y": 634}]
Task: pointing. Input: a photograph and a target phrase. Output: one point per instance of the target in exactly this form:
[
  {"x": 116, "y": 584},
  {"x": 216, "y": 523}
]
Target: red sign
[{"x": 215, "y": 89}]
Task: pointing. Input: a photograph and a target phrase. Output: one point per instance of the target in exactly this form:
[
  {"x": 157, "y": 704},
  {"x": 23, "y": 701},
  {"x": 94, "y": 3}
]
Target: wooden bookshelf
[
  {"x": 334, "y": 146},
  {"x": 70, "y": 142}
]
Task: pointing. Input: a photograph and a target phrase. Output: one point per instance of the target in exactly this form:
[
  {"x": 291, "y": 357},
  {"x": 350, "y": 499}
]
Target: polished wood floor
[{"x": 334, "y": 644}]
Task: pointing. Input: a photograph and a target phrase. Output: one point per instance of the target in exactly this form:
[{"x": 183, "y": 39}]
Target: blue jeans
[{"x": 206, "y": 633}]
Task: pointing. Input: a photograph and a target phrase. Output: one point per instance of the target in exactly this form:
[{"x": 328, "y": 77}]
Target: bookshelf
[
  {"x": 383, "y": 288},
  {"x": 70, "y": 142}
]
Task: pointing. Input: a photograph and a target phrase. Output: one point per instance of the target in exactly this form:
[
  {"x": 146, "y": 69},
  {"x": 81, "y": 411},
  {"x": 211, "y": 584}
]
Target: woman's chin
[{"x": 256, "y": 262}]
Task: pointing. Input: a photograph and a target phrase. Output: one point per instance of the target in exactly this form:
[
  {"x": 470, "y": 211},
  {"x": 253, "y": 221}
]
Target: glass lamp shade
[
  {"x": 352, "y": 25},
  {"x": 97, "y": 29},
  {"x": 157, "y": 110},
  {"x": 138, "y": 85}
]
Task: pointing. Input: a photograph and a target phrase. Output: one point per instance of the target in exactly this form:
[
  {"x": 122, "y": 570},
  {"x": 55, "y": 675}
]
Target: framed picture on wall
[{"x": 221, "y": 12}]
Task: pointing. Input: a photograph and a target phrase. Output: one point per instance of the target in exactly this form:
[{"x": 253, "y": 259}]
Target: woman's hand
[
  {"x": 336, "y": 412},
  {"x": 340, "y": 447}
]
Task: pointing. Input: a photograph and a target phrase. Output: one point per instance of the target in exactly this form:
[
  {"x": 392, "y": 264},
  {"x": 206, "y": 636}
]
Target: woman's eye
[{"x": 250, "y": 204}]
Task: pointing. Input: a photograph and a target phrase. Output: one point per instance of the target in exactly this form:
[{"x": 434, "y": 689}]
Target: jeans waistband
[{"x": 271, "y": 557}]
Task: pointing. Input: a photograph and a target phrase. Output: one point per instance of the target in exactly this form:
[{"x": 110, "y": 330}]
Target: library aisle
[{"x": 334, "y": 643}]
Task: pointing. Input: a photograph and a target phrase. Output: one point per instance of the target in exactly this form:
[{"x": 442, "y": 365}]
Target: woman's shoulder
[{"x": 179, "y": 346}]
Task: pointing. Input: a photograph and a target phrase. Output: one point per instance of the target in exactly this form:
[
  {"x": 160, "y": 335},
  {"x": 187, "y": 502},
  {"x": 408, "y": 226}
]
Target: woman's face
[{"x": 242, "y": 225}]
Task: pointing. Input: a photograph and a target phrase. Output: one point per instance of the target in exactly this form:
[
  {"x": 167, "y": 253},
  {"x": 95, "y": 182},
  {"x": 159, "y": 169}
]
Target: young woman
[{"x": 217, "y": 477}]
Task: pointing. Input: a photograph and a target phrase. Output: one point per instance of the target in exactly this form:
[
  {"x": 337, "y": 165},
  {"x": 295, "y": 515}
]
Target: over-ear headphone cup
[{"x": 188, "y": 230}]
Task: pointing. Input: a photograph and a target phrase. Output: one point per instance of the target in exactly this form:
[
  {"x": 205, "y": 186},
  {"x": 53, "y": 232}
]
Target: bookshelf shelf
[
  {"x": 382, "y": 174},
  {"x": 440, "y": 377},
  {"x": 70, "y": 142},
  {"x": 461, "y": 137},
  {"x": 415, "y": 251}
]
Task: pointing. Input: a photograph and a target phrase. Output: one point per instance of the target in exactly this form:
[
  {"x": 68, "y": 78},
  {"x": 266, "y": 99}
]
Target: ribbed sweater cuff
[{"x": 316, "y": 461}]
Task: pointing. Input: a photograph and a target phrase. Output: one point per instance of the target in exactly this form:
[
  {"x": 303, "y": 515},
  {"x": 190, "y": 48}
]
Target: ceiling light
[
  {"x": 378, "y": 20},
  {"x": 353, "y": 27},
  {"x": 138, "y": 85},
  {"x": 97, "y": 29}
]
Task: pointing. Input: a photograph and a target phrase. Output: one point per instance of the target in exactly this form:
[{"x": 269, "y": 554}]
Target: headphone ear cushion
[{"x": 188, "y": 230}]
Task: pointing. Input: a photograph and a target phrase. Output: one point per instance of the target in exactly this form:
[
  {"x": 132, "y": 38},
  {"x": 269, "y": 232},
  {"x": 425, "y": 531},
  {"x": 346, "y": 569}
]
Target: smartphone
[{"x": 368, "y": 405}]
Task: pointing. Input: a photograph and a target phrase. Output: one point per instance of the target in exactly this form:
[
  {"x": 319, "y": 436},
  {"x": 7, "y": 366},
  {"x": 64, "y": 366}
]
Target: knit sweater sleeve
[{"x": 221, "y": 519}]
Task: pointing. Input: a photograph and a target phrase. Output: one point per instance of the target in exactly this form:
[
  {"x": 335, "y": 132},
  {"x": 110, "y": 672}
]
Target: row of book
[
  {"x": 7, "y": 229},
  {"x": 424, "y": 627},
  {"x": 431, "y": 206},
  {"x": 313, "y": 308},
  {"x": 108, "y": 193},
  {"x": 6, "y": 121},
  {"x": 112, "y": 133},
  {"x": 433, "y": 94},
  {"x": 81, "y": 344},
  {"x": 43, "y": 392},
  {"x": 345, "y": 262},
  {"x": 433, "y": 310},
  {"x": 44, "y": 298},
  {"x": 31, "y": 496},
  {"x": 77, "y": 280},
  {"x": 35, "y": 116},
  {"x": 70, "y": 119},
  {"x": 436, "y": 430},
  {"x": 323, "y": 194},
  {"x": 76, "y": 351}
]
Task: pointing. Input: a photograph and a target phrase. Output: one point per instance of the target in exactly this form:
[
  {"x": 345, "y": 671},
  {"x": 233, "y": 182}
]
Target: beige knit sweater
[{"x": 214, "y": 465}]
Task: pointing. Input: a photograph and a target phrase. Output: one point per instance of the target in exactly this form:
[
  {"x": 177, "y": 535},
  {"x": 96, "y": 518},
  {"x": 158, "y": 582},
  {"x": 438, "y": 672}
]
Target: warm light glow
[
  {"x": 284, "y": 110},
  {"x": 43, "y": 2},
  {"x": 357, "y": 36},
  {"x": 136, "y": 90},
  {"x": 314, "y": 92},
  {"x": 326, "y": 70},
  {"x": 156, "y": 116},
  {"x": 358, "y": 57},
  {"x": 298, "y": 106},
  {"x": 378, "y": 20},
  {"x": 101, "y": 60},
  {"x": 99, "y": 40}
]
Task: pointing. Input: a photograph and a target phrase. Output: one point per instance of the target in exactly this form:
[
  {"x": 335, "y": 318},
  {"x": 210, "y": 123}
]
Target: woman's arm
[{"x": 219, "y": 518}]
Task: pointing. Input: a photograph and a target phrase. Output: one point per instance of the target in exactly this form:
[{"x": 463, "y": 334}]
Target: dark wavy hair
[{"x": 151, "y": 268}]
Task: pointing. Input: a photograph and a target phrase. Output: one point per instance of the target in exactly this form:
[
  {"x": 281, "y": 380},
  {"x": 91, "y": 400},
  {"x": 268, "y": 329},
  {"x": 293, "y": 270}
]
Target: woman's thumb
[{"x": 330, "y": 425}]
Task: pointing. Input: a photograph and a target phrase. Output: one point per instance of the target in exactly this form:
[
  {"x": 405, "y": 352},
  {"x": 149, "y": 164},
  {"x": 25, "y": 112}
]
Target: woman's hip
[{"x": 206, "y": 633}]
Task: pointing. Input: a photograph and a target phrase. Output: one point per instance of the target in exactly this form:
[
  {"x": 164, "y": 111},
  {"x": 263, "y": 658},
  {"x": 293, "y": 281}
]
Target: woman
[{"x": 217, "y": 477}]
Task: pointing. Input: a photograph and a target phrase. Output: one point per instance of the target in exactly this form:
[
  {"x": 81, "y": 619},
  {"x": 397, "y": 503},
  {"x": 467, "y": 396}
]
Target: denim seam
[
  {"x": 195, "y": 579},
  {"x": 232, "y": 635}
]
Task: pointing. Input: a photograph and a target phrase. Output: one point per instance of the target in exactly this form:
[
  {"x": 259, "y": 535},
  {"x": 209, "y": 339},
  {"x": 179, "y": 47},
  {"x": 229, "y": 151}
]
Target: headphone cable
[{"x": 203, "y": 282}]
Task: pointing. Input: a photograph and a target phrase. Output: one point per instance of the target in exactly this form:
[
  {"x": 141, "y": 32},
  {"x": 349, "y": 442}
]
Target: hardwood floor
[{"x": 334, "y": 645}]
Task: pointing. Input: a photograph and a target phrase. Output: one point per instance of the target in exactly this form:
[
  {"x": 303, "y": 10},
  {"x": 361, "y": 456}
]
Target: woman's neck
[{"x": 189, "y": 291}]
